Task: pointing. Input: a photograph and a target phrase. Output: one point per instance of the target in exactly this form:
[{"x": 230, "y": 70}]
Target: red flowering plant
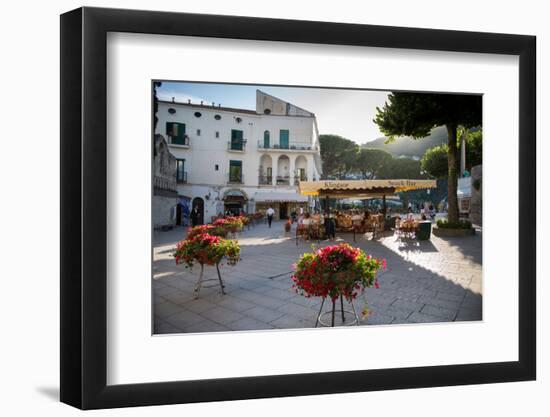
[
  {"x": 207, "y": 249},
  {"x": 230, "y": 223},
  {"x": 207, "y": 228},
  {"x": 337, "y": 270},
  {"x": 244, "y": 219}
]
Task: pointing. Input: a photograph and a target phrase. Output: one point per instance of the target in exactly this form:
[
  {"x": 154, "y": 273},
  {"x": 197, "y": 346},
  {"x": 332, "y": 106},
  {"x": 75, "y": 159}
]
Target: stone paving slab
[{"x": 439, "y": 280}]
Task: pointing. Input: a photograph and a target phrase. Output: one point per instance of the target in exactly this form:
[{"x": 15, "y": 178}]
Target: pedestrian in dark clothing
[
  {"x": 330, "y": 227},
  {"x": 195, "y": 216},
  {"x": 270, "y": 212}
]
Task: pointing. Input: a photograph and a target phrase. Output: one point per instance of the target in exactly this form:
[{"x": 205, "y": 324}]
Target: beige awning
[
  {"x": 361, "y": 188},
  {"x": 280, "y": 197}
]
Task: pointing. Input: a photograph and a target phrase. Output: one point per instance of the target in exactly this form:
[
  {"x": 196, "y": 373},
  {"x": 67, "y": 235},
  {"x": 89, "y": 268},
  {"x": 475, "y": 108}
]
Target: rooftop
[{"x": 211, "y": 107}]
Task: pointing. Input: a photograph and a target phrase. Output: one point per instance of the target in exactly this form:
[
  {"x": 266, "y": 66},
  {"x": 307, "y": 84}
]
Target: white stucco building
[{"x": 233, "y": 159}]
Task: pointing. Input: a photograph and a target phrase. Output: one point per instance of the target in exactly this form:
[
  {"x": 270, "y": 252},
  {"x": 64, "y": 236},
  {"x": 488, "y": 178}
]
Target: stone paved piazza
[{"x": 438, "y": 280}]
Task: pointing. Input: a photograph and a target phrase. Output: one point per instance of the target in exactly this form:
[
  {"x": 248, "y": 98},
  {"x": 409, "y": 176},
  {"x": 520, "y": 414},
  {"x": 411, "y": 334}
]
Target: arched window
[{"x": 266, "y": 139}]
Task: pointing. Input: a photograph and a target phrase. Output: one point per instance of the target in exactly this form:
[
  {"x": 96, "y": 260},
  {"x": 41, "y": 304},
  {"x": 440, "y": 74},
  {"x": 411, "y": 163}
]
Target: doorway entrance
[
  {"x": 199, "y": 203},
  {"x": 283, "y": 211}
]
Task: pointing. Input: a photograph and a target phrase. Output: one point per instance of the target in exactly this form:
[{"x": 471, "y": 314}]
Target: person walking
[
  {"x": 195, "y": 216},
  {"x": 330, "y": 227},
  {"x": 270, "y": 212}
]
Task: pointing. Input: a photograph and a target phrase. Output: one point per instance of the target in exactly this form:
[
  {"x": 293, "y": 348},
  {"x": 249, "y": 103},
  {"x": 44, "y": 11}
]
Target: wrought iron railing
[
  {"x": 174, "y": 140},
  {"x": 236, "y": 145},
  {"x": 265, "y": 180},
  {"x": 296, "y": 146},
  {"x": 283, "y": 180},
  {"x": 181, "y": 179}
]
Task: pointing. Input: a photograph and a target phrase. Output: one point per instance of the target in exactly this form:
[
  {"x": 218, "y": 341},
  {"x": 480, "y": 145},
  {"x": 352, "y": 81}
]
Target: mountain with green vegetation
[{"x": 406, "y": 146}]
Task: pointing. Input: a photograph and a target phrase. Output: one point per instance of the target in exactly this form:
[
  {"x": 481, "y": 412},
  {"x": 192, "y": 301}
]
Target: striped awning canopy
[{"x": 361, "y": 188}]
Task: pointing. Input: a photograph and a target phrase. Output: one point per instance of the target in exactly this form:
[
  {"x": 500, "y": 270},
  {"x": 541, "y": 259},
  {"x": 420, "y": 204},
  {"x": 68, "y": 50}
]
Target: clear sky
[{"x": 348, "y": 113}]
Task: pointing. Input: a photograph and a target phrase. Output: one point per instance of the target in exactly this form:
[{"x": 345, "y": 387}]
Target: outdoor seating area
[
  {"x": 353, "y": 221},
  {"x": 373, "y": 226},
  {"x": 406, "y": 228}
]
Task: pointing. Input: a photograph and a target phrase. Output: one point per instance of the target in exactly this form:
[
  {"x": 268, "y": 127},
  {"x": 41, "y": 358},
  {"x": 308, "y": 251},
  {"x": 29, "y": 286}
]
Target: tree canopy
[
  {"x": 474, "y": 148},
  {"x": 343, "y": 158},
  {"x": 434, "y": 161},
  {"x": 416, "y": 114},
  {"x": 369, "y": 162},
  {"x": 401, "y": 168},
  {"x": 336, "y": 154}
]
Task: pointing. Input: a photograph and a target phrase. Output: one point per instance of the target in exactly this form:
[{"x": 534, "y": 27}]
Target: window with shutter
[
  {"x": 236, "y": 140},
  {"x": 283, "y": 138},
  {"x": 176, "y": 132}
]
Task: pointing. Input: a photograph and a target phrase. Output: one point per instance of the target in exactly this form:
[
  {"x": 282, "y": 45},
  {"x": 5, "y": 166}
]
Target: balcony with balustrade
[
  {"x": 181, "y": 177},
  {"x": 236, "y": 146},
  {"x": 283, "y": 179},
  {"x": 164, "y": 183},
  {"x": 179, "y": 141},
  {"x": 265, "y": 180},
  {"x": 294, "y": 146}
]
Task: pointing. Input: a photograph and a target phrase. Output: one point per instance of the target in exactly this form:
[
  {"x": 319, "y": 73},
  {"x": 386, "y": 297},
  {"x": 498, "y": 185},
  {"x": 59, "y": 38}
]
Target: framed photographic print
[{"x": 257, "y": 208}]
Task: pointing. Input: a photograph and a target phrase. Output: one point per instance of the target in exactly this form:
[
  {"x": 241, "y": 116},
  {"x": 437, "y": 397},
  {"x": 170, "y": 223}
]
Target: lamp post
[{"x": 463, "y": 153}]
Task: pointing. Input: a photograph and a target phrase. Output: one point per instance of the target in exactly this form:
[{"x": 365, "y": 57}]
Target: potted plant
[
  {"x": 207, "y": 229},
  {"x": 207, "y": 249},
  {"x": 337, "y": 271},
  {"x": 231, "y": 224}
]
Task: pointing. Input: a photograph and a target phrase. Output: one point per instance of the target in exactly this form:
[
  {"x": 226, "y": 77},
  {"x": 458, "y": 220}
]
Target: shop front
[
  {"x": 284, "y": 203},
  {"x": 234, "y": 202}
]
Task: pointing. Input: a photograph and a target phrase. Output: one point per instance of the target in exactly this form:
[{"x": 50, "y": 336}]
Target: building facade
[{"x": 234, "y": 160}]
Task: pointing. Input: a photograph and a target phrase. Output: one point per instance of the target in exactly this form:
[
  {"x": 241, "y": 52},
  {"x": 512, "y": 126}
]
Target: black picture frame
[{"x": 84, "y": 207}]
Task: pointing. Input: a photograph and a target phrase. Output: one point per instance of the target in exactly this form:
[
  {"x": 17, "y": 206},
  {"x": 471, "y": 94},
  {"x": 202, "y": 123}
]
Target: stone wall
[
  {"x": 477, "y": 193},
  {"x": 165, "y": 194},
  {"x": 163, "y": 211}
]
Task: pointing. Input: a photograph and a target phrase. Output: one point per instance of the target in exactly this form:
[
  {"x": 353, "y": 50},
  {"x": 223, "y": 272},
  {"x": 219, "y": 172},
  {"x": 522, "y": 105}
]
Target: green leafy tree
[
  {"x": 369, "y": 162},
  {"x": 434, "y": 162},
  {"x": 474, "y": 149},
  {"x": 337, "y": 154},
  {"x": 401, "y": 168},
  {"x": 416, "y": 114}
]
